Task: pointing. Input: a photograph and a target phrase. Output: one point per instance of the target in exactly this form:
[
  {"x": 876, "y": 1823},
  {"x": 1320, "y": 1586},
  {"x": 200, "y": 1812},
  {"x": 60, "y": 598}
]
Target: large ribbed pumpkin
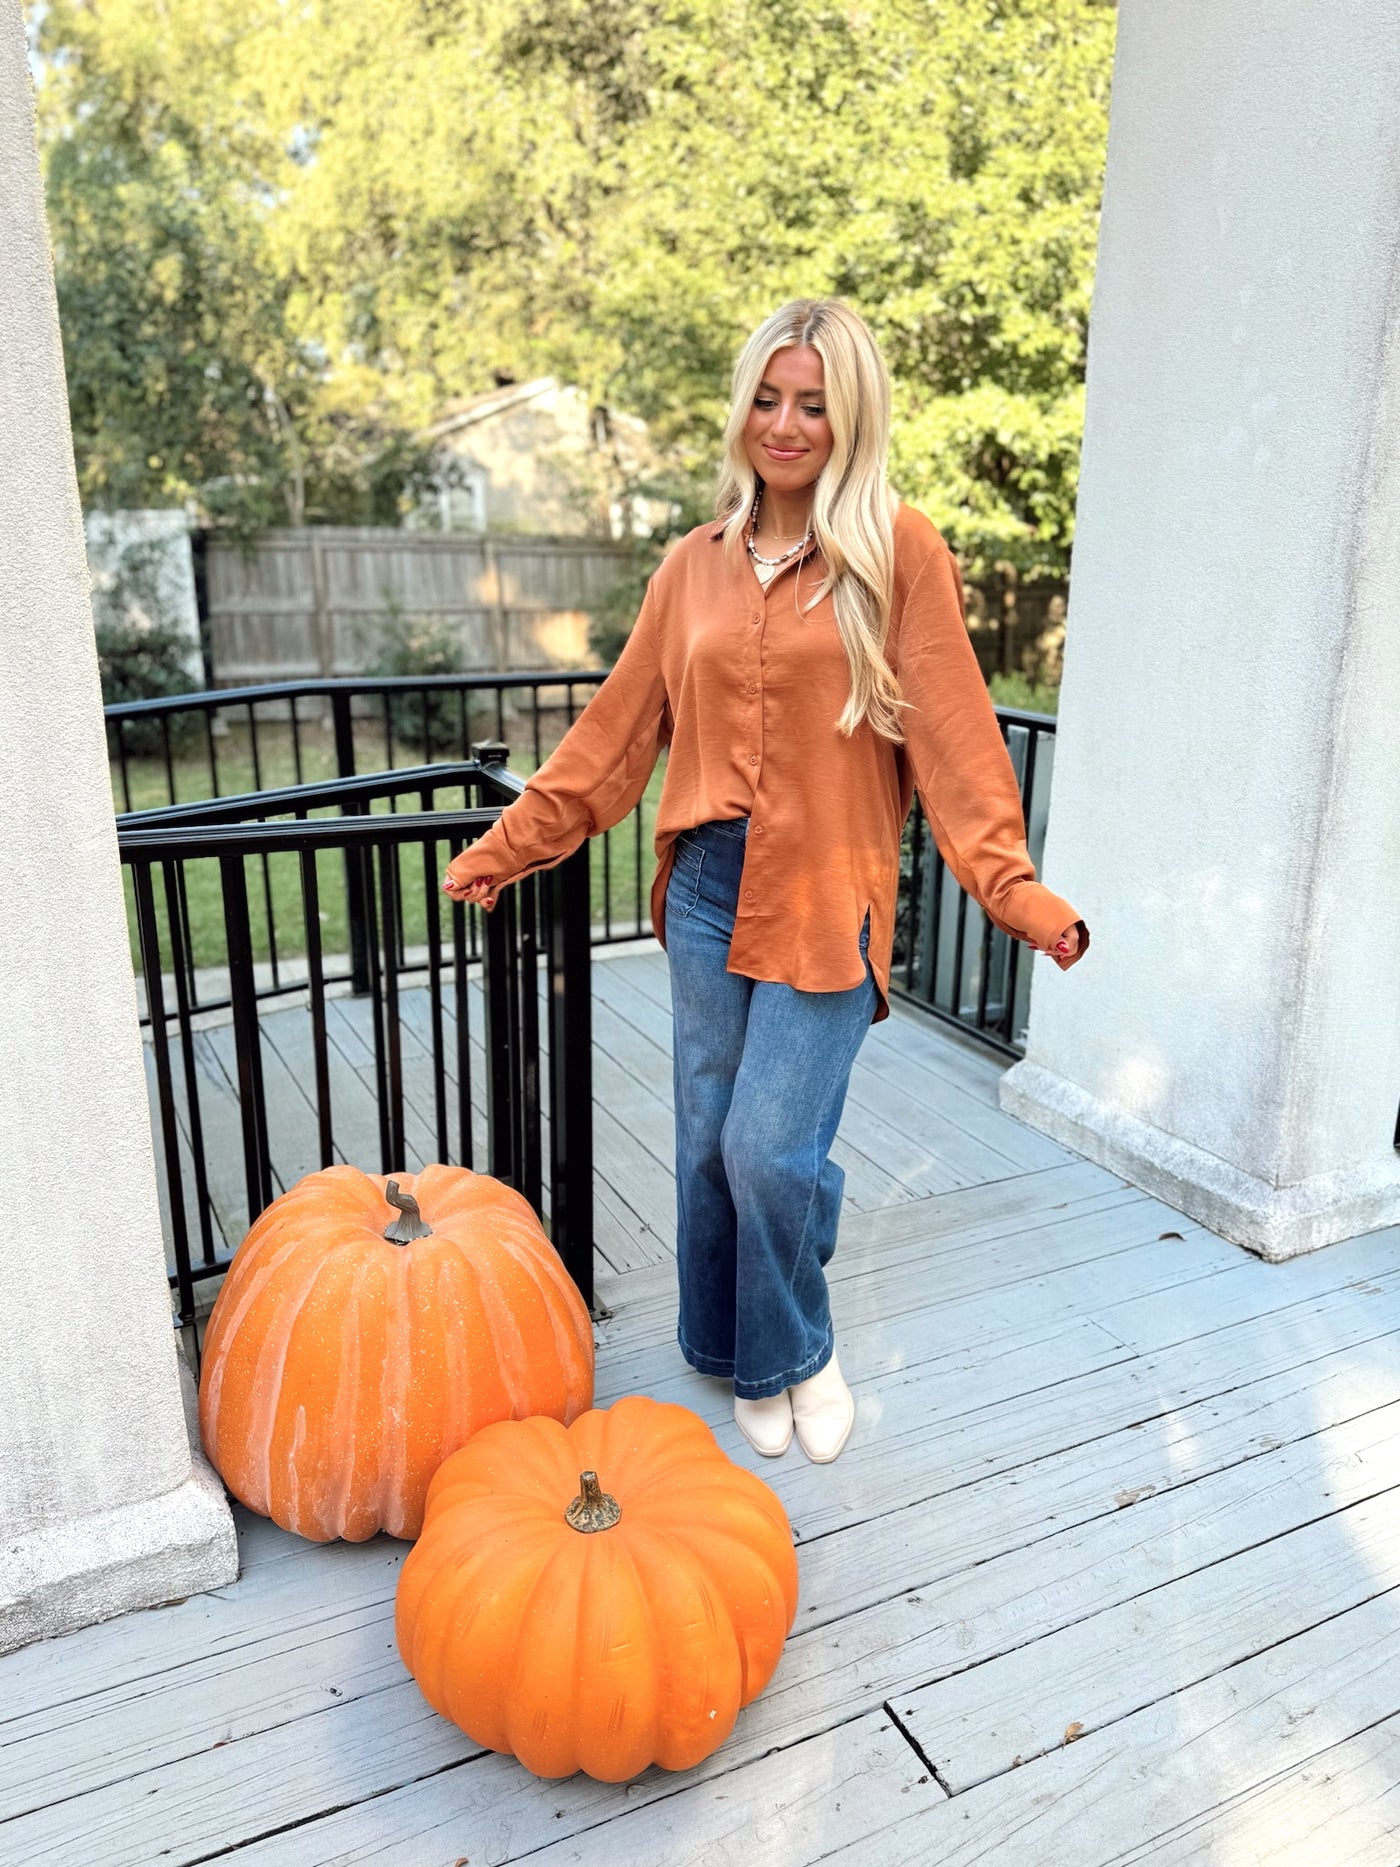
[
  {"x": 599, "y": 1597},
  {"x": 367, "y": 1328}
]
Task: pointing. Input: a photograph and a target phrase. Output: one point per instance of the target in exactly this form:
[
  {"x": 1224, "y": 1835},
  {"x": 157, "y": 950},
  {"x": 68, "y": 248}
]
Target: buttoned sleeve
[
  {"x": 595, "y": 775},
  {"x": 961, "y": 767}
]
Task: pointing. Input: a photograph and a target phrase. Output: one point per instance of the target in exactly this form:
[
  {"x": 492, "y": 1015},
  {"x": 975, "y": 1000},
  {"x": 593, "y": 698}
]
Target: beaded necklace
[{"x": 782, "y": 556}]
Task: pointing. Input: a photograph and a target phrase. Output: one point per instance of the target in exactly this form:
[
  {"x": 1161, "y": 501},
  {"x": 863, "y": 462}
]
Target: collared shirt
[{"x": 746, "y": 684}]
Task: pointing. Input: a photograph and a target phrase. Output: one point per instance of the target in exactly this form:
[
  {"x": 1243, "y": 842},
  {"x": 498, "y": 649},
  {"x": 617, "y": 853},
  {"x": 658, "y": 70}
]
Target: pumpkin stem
[
  {"x": 404, "y": 1230},
  {"x": 592, "y": 1509}
]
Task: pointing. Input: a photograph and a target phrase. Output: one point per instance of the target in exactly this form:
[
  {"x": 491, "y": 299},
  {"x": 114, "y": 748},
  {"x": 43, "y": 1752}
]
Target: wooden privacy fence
[{"x": 311, "y": 602}]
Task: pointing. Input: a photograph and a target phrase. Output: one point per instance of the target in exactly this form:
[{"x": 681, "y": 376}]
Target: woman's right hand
[{"x": 481, "y": 888}]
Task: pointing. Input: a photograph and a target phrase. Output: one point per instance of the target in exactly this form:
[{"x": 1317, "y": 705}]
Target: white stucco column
[
  {"x": 1226, "y": 800},
  {"x": 103, "y": 1504}
]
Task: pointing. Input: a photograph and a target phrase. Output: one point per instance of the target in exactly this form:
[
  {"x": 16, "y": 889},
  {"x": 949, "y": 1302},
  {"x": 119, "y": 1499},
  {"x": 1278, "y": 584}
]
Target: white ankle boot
[
  {"x": 823, "y": 1411},
  {"x": 766, "y": 1424}
]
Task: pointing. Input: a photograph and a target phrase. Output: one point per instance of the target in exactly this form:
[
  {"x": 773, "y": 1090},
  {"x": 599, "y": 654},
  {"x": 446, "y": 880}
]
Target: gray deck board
[
  {"x": 1290, "y": 1757},
  {"x": 838, "y": 1788},
  {"x": 1111, "y": 1476},
  {"x": 1280, "y": 1583}
]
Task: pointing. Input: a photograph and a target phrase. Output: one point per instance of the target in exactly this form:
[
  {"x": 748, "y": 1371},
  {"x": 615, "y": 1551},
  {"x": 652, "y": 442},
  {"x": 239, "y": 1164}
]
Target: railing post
[
  {"x": 247, "y": 1035},
  {"x": 500, "y": 962},
  {"x": 148, "y": 933},
  {"x": 343, "y": 722},
  {"x": 571, "y": 1067},
  {"x": 528, "y": 1043},
  {"x": 344, "y": 732}
]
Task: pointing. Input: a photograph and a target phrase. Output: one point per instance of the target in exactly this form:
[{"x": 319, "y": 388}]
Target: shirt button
[
  {"x": 758, "y": 619},
  {"x": 753, "y": 758},
  {"x": 758, "y": 829},
  {"x": 748, "y": 894},
  {"x": 753, "y": 687}
]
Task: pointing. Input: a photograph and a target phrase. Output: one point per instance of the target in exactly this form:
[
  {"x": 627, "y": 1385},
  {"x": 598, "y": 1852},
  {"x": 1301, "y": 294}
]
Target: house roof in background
[{"x": 477, "y": 408}]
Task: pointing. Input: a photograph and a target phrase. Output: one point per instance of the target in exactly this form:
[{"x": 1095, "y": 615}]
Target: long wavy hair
[{"x": 852, "y": 506}]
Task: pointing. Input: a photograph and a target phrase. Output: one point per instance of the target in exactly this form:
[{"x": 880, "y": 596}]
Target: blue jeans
[{"x": 761, "y": 1071}]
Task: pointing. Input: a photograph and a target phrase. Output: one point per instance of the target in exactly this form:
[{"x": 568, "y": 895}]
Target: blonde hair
[{"x": 852, "y": 506}]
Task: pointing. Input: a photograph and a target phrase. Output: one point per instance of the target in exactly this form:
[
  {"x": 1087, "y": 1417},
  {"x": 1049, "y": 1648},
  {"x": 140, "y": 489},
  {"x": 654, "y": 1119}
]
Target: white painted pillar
[
  {"x": 1226, "y": 801},
  {"x": 103, "y": 1504}
]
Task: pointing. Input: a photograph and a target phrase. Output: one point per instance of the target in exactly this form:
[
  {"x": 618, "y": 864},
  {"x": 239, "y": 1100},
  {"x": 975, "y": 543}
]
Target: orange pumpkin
[
  {"x": 599, "y": 1597},
  {"x": 353, "y": 1347}
]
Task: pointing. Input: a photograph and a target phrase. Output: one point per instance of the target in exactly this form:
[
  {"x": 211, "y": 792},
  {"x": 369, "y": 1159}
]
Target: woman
[{"x": 806, "y": 660}]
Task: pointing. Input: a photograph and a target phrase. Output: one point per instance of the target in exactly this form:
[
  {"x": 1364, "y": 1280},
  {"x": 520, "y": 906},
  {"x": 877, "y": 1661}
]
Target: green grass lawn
[
  {"x": 1015, "y": 690},
  {"x": 274, "y": 882}
]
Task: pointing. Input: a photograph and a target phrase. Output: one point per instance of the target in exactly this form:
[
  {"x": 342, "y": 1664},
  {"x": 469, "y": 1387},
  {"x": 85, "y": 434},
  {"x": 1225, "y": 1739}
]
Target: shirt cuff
[
  {"x": 1044, "y": 917},
  {"x": 483, "y": 857}
]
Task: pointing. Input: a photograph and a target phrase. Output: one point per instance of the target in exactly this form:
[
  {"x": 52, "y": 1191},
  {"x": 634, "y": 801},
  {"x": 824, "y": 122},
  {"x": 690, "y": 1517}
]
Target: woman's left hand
[
  {"x": 479, "y": 888},
  {"x": 1064, "y": 948}
]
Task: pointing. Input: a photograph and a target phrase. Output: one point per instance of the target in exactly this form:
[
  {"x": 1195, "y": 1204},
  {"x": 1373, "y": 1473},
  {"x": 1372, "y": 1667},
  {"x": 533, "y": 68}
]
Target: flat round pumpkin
[
  {"x": 597, "y": 1597},
  {"x": 359, "y": 1339}
]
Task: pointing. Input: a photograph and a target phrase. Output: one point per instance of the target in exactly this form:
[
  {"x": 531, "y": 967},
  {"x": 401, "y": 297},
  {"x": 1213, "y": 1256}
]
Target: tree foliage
[{"x": 286, "y": 234}]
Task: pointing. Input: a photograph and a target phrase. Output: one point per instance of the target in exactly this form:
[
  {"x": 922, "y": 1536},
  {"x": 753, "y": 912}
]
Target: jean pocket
[{"x": 683, "y": 889}]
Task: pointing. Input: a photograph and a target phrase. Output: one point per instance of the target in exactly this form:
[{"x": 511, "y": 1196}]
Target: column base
[
  {"x": 138, "y": 1555},
  {"x": 1276, "y": 1222}
]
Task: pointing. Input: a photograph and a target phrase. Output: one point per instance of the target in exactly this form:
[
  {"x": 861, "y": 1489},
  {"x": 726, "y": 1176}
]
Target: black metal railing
[
  {"x": 197, "y": 746},
  {"x": 948, "y": 957},
  {"x": 470, "y": 1044},
  {"x": 949, "y": 960},
  {"x": 484, "y": 781},
  {"x": 190, "y": 738}
]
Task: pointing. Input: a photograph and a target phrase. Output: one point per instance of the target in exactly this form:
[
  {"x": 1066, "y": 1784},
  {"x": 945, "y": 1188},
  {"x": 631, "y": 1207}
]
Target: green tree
[
  {"x": 188, "y": 378},
  {"x": 404, "y": 196},
  {"x": 177, "y": 359},
  {"x": 939, "y": 165}
]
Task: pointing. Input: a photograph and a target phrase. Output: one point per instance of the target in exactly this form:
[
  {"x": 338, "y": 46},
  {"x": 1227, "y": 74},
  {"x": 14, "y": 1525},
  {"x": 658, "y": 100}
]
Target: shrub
[
  {"x": 409, "y": 645},
  {"x": 145, "y": 661}
]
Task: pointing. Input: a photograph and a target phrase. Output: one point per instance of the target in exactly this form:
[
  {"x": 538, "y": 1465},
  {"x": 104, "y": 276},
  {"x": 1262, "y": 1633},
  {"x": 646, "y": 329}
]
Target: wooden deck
[{"x": 1109, "y": 1573}]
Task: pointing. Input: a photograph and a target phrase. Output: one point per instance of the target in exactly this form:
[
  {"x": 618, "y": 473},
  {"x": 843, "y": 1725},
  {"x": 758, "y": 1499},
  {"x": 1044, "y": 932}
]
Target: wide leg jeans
[{"x": 761, "y": 1072}]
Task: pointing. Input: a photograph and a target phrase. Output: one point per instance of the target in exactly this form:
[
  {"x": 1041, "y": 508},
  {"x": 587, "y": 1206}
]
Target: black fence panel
[{"x": 263, "y": 1070}]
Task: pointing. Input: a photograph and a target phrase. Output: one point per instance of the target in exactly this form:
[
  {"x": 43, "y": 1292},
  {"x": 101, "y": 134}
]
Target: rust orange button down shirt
[{"x": 746, "y": 687}]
